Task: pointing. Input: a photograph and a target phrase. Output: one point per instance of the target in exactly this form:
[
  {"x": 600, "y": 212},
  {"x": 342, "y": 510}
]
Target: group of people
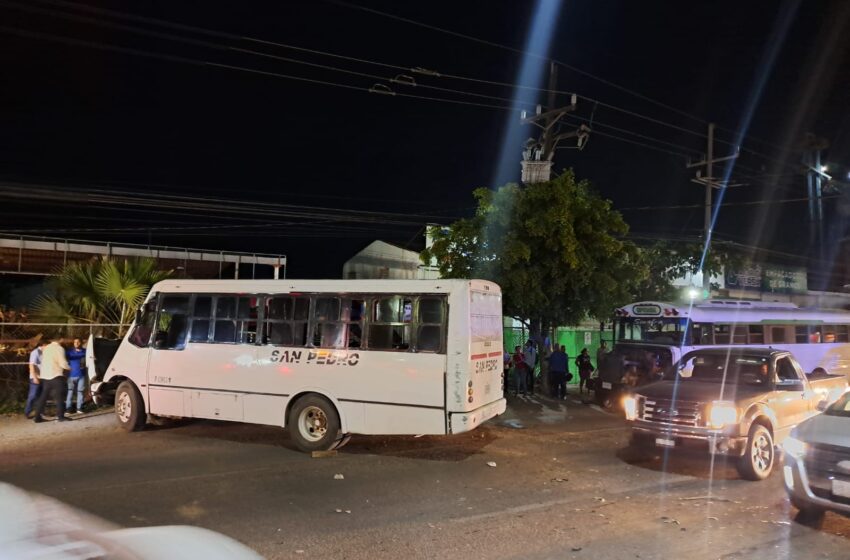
[
  {"x": 523, "y": 362},
  {"x": 59, "y": 374}
]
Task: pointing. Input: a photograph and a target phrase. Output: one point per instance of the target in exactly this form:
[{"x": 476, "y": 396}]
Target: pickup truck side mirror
[{"x": 822, "y": 405}]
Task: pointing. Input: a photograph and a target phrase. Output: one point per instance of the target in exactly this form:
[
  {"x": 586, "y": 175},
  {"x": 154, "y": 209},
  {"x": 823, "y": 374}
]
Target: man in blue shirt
[
  {"x": 76, "y": 356},
  {"x": 558, "y": 372},
  {"x": 35, "y": 381}
]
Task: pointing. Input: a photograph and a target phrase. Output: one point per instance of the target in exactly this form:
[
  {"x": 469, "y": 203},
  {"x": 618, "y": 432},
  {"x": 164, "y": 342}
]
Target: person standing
[
  {"x": 76, "y": 356},
  {"x": 601, "y": 352},
  {"x": 530, "y": 362},
  {"x": 558, "y": 372},
  {"x": 520, "y": 371},
  {"x": 35, "y": 380},
  {"x": 585, "y": 368},
  {"x": 52, "y": 376}
]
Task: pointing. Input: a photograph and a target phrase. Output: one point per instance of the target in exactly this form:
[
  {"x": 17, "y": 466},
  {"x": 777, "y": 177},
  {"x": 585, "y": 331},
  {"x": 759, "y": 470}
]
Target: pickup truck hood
[
  {"x": 698, "y": 391},
  {"x": 832, "y": 430}
]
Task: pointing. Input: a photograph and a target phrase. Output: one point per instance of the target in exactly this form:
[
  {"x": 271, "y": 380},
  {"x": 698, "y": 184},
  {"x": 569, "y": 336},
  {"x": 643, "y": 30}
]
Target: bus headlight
[
  {"x": 722, "y": 414},
  {"x": 630, "y": 407},
  {"x": 794, "y": 447}
]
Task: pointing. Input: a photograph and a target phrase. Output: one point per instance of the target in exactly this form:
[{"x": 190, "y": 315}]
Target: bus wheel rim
[
  {"x": 313, "y": 423},
  {"x": 124, "y": 407}
]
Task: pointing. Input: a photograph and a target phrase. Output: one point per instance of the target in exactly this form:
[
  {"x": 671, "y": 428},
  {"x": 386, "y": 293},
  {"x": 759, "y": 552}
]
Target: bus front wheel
[
  {"x": 314, "y": 424},
  {"x": 129, "y": 407}
]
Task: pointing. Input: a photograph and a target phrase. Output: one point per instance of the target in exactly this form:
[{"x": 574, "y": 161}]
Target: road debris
[
  {"x": 709, "y": 498},
  {"x": 576, "y": 548},
  {"x": 666, "y": 519},
  {"x": 560, "y": 480},
  {"x": 491, "y": 463},
  {"x": 339, "y": 476},
  {"x": 320, "y": 454}
]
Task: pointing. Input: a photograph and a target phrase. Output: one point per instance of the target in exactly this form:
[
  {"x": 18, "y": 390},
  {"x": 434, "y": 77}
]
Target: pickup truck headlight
[
  {"x": 722, "y": 414},
  {"x": 794, "y": 447},
  {"x": 630, "y": 407}
]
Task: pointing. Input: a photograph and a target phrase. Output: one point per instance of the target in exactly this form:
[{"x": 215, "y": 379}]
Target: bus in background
[
  {"x": 650, "y": 336},
  {"x": 322, "y": 358}
]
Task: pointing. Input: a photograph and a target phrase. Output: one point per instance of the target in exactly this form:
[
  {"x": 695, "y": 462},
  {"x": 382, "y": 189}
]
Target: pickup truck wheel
[{"x": 757, "y": 462}]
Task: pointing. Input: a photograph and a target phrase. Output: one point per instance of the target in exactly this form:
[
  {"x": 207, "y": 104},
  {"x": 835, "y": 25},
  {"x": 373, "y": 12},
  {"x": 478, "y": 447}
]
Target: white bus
[
  {"x": 817, "y": 338},
  {"x": 323, "y": 358},
  {"x": 663, "y": 332}
]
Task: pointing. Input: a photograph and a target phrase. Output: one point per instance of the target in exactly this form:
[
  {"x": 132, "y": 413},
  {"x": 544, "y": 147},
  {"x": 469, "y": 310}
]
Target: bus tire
[
  {"x": 314, "y": 424},
  {"x": 759, "y": 456},
  {"x": 129, "y": 407}
]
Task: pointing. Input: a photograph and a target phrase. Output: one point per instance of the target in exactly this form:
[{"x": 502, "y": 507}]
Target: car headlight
[
  {"x": 794, "y": 447},
  {"x": 721, "y": 414},
  {"x": 630, "y": 406}
]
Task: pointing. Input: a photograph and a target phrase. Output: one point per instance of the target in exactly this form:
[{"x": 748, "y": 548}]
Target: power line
[
  {"x": 745, "y": 203},
  {"x": 183, "y": 27}
]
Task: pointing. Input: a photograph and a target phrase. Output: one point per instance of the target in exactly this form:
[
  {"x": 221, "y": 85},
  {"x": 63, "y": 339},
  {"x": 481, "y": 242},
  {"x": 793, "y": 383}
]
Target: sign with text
[{"x": 770, "y": 279}]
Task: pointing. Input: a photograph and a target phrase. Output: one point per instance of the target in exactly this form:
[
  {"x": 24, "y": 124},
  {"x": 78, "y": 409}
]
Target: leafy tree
[
  {"x": 557, "y": 249},
  {"x": 667, "y": 261},
  {"x": 99, "y": 291}
]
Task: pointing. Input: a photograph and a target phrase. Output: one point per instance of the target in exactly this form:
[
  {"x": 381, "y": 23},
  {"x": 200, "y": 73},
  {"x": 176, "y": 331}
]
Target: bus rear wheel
[
  {"x": 129, "y": 407},
  {"x": 314, "y": 424}
]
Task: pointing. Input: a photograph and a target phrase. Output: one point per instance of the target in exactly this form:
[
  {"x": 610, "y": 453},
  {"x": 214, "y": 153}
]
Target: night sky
[{"x": 76, "y": 118}]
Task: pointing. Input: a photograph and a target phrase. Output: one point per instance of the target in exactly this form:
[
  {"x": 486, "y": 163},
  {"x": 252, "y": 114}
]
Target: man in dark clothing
[
  {"x": 558, "y": 372},
  {"x": 585, "y": 368}
]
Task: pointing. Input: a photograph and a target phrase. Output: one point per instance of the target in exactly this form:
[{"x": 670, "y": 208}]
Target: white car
[
  {"x": 32, "y": 526},
  {"x": 817, "y": 462}
]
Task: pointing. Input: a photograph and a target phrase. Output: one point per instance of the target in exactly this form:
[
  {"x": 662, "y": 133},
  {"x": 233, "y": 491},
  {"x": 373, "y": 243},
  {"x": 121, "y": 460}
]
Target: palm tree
[{"x": 99, "y": 291}]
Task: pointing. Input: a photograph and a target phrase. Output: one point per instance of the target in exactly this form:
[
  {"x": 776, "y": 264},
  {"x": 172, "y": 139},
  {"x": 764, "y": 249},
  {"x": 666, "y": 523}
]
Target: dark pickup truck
[{"x": 739, "y": 402}]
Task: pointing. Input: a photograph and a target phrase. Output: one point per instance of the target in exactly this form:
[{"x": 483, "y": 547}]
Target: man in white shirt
[
  {"x": 35, "y": 382},
  {"x": 52, "y": 376}
]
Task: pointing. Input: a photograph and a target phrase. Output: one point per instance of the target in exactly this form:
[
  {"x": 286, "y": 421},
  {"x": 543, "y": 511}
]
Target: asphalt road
[{"x": 564, "y": 486}]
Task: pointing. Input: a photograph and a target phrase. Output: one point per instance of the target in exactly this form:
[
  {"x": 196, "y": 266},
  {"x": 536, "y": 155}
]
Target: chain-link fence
[{"x": 18, "y": 340}]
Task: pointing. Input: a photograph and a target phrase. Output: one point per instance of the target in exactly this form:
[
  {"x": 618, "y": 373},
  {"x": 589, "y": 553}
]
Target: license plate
[
  {"x": 606, "y": 385},
  {"x": 841, "y": 488},
  {"x": 664, "y": 442}
]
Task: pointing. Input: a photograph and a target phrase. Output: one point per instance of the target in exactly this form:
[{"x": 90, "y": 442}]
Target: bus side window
[
  {"x": 777, "y": 334},
  {"x": 286, "y": 321},
  {"x": 841, "y": 334},
  {"x": 722, "y": 334},
  {"x": 173, "y": 323},
  {"x": 328, "y": 331},
  {"x": 389, "y": 328},
  {"x": 225, "y": 319},
  {"x": 246, "y": 320},
  {"x": 354, "y": 312},
  {"x": 801, "y": 334},
  {"x": 829, "y": 333},
  {"x": 202, "y": 311},
  {"x": 756, "y": 334},
  {"x": 429, "y": 335}
]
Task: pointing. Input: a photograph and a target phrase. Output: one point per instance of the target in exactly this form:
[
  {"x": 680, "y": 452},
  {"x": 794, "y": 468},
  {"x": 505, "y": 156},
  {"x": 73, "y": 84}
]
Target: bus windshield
[{"x": 656, "y": 330}]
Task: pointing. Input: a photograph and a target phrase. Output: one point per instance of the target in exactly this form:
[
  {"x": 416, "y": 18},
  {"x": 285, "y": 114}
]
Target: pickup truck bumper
[
  {"x": 800, "y": 488},
  {"x": 716, "y": 442}
]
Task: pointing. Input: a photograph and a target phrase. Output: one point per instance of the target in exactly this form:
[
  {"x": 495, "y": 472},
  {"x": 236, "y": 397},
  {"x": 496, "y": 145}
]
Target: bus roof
[
  {"x": 734, "y": 311},
  {"x": 441, "y": 286}
]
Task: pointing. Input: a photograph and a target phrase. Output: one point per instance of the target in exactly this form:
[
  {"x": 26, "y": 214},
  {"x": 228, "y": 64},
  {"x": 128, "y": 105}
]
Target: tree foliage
[
  {"x": 557, "y": 249},
  {"x": 99, "y": 291}
]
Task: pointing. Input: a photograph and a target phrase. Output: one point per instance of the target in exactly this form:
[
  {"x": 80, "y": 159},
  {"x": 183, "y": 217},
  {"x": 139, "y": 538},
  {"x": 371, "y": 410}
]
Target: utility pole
[
  {"x": 710, "y": 182},
  {"x": 538, "y": 154}
]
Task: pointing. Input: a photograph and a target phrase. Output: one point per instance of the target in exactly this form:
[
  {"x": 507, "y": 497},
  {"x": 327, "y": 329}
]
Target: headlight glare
[
  {"x": 722, "y": 414},
  {"x": 630, "y": 407}
]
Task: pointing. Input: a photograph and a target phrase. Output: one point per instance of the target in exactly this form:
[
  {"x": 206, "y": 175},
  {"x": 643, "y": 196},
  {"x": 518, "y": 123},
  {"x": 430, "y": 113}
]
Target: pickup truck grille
[
  {"x": 675, "y": 413},
  {"x": 821, "y": 461}
]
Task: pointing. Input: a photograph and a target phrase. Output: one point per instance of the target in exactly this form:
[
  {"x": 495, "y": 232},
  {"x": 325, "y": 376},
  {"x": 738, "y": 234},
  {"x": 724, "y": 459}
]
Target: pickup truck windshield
[
  {"x": 841, "y": 407},
  {"x": 732, "y": 370}
]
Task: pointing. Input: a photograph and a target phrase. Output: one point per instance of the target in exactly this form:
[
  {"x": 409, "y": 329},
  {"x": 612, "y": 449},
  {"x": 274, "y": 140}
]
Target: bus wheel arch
[
  {"x": 130, "y": 407},
  {"x": 314, "y": 422}
]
